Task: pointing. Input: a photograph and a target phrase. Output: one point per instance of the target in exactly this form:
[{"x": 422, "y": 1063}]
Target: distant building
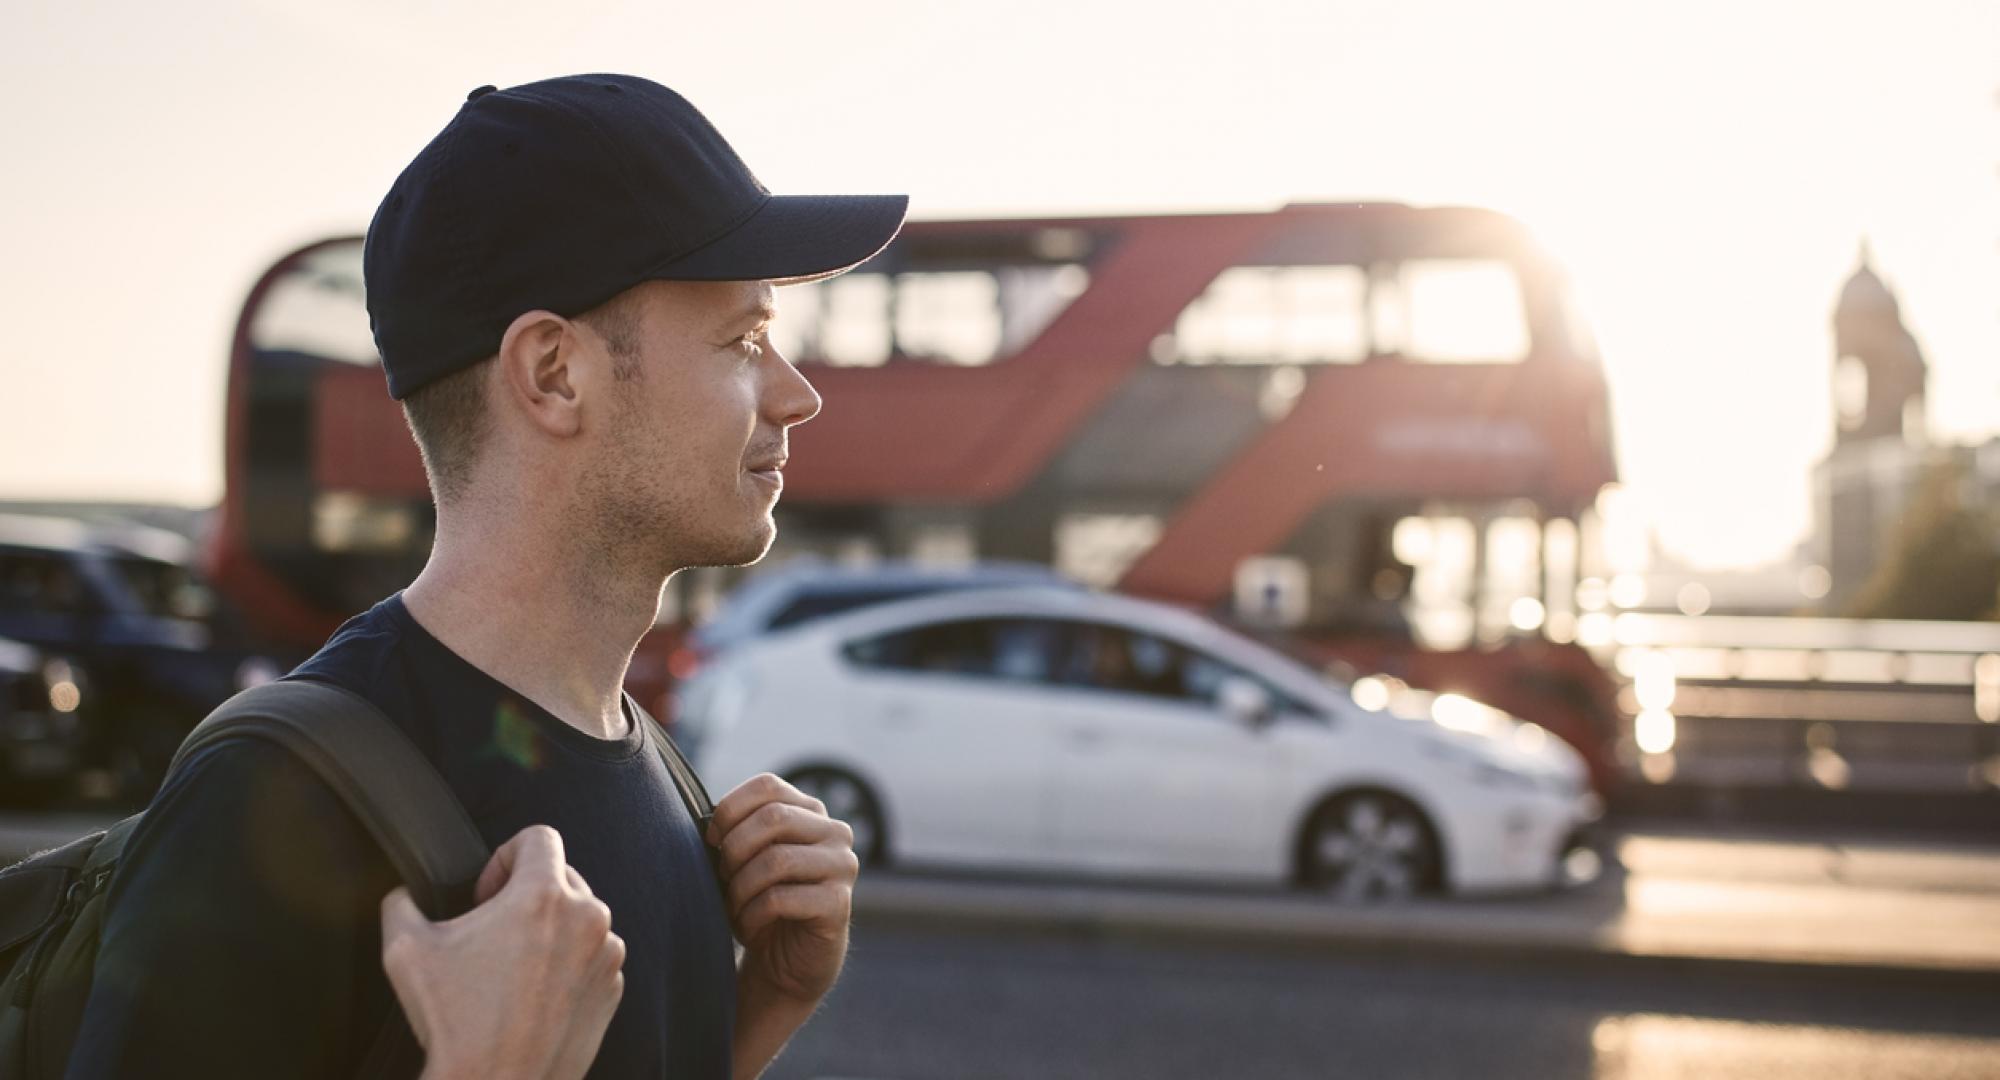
[{"x": 1881, "y": 448}]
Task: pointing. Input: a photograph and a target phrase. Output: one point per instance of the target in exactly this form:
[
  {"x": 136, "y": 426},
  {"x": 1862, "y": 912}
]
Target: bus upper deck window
[
  {"x": 1275, "y": 315},
  {"x": 318, "y": 309},
  {"x": 1456, "y": 311}
]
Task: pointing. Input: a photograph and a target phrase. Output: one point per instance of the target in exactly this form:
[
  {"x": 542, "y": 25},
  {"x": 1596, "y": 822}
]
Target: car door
[
  {"x": 1151, "y": 775},
  {"x": 953, "y": 718}
]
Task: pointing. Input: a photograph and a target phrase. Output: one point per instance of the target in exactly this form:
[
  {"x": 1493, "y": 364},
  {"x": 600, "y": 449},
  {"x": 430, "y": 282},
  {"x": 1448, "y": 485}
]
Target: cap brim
[{"x": 795, "y": 238}]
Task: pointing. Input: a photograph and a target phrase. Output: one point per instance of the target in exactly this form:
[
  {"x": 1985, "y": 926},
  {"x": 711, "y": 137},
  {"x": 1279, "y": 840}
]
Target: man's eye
[{"x": 751, "y": 344}]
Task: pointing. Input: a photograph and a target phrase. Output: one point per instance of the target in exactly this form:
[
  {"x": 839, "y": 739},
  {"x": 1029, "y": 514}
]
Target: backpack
[{"x": 52, "y": 905}]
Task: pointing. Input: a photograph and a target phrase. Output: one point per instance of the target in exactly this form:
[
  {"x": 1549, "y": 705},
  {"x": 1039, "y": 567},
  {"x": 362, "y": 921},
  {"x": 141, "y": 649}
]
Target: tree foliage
[{"x": 1944, "y": 560}]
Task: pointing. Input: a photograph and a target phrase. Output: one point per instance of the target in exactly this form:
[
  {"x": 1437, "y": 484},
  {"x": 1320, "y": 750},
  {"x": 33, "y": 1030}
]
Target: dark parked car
[
  {"x": 42, "y": 723},
  {"x": 123, "y": 603}
]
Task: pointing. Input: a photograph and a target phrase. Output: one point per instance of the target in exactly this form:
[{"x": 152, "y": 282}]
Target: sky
[{"x": 1706, "y": 170}]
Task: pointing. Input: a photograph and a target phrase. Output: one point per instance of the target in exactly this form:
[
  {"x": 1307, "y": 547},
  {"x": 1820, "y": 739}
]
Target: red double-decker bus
[{"x": 1376, "y": 431}]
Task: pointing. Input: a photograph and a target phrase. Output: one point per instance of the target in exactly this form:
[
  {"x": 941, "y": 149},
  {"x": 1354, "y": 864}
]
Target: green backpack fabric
[{"x": 52, "y": 905}]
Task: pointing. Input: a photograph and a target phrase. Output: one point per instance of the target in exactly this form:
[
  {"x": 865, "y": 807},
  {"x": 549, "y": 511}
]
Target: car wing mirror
[{"x": 1245, "y": 702}]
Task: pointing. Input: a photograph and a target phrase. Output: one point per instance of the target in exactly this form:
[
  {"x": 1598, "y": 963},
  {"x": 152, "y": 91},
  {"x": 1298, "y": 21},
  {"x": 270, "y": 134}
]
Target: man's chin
[{"x": 746, "y": 549}]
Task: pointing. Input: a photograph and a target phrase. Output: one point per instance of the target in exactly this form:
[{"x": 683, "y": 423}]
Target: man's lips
[{"x": 771, "y": 472}]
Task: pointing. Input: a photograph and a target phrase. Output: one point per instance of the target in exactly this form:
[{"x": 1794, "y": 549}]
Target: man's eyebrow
[{"x": 757, "y": 313}]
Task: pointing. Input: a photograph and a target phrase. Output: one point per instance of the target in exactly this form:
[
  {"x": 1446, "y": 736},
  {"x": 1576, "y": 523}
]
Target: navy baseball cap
[{"x": 559, "y": 195}]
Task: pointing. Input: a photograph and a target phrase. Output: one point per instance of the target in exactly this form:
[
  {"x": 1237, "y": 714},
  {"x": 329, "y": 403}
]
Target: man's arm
[
  {"x": 524, "y": 984},
  {"x": 240, "y": 929},
  {"x": 789, "y": 870}
]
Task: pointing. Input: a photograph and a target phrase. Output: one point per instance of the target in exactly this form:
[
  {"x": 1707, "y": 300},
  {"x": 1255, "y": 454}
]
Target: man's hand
[
  {"x": 789, "y": 870},
  {"x": 524, "y": 984}
]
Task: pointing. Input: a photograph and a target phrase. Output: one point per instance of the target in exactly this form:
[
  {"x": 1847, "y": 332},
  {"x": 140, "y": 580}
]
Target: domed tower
[
  {"x": 1878, "y": 371},
  {"x": 1878, "y": 436}
]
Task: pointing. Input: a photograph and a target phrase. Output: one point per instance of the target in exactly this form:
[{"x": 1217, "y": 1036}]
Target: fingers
[
  {"x": 536, "y": 851},
  {"x": 776, "y": 823},
  {"x": 532, "y": 973},
  {"x": 825, "y": 902},
  {"x": 752, "y": 795},
  {"x": 783, "y": 858},
  {"x": 400, "y": 916},
  {"x": 401, "y": 913},
  {"x": 404, "y": 935},
  {"x": 610, "y": 959},
  {"x": 800, "y": 864}
]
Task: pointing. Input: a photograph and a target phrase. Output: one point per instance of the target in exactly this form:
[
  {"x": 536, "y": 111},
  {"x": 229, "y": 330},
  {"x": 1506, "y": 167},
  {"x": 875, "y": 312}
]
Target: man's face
[{"x": 687, "y": 470}]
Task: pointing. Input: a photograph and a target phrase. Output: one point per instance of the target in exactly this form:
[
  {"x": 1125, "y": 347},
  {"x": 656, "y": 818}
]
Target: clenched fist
[
  {"x": 789, "y": 871},
  {"x": 524, "y": 984}
]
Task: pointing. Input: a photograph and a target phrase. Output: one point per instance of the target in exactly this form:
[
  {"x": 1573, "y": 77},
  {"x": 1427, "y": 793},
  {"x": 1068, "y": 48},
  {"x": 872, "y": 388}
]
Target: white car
[{"x": 1064, "y": 730}]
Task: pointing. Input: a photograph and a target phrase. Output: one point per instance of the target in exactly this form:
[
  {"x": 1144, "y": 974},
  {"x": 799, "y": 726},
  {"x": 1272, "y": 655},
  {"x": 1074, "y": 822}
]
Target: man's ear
[{"x": 537, "y": 357}]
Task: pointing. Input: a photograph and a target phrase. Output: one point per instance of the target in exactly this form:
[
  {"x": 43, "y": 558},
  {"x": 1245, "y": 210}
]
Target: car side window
[
  {"x": 1104, "y": 657},
  {"x": 1205, "y": 675},
  {"x": 1123, "y": 660},
  {"x": 1014, "y": 650},
  {"x": 33, "y": 582}
]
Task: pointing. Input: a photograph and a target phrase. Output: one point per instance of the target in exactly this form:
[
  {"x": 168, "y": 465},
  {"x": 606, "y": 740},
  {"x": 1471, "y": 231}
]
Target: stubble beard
[
  {"x": 731, "y": 544},
  {"x": 639, "y": 531}
]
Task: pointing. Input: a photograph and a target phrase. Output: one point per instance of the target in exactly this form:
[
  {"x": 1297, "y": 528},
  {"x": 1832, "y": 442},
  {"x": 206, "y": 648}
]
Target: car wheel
[
  {"x": 1369, "y": 845},
  {"x": 848, "y": 799}
]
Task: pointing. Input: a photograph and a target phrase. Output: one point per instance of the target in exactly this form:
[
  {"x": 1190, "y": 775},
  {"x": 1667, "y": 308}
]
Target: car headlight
[{"x": 64, "y": 684}]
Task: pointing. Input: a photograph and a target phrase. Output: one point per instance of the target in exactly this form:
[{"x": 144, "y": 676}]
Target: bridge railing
[{"x": 1848, "y": 704}]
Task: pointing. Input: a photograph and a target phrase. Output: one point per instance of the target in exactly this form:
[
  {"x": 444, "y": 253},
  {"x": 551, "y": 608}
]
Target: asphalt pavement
[
  {"x": 970, "y": 1004},
  {"x": 1882, "y": 906}
]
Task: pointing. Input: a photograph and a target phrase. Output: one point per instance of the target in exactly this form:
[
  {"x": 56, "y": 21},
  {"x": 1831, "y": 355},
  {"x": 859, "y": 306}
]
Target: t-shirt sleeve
[{"x": 242, "y": 934}]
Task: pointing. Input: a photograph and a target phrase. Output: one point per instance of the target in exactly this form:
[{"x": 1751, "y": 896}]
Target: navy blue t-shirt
[{"x": 243, "y": 937}]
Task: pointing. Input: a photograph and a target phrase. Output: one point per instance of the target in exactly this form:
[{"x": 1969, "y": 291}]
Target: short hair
[
  {"x": 449, "y": 418},
  {"x": 617, "y": 322}
]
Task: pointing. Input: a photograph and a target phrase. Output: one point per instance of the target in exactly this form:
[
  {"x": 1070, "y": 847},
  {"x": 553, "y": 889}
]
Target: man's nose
[{"x": 789, "y": 398}]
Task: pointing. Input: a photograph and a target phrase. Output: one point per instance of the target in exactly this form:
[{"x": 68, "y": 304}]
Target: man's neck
[{"x": 562, "y": 636}]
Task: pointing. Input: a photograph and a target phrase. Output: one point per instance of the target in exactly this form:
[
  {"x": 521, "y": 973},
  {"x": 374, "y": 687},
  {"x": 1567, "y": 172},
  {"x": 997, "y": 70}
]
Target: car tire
[
  {"x": 1369, "y": 846},
  {"x": 848, "y": 799}
]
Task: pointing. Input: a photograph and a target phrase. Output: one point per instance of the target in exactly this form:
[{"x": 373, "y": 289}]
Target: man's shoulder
[
  {"x": 240, "y": 901},
  {"x": 245, "y": 791},
  {"x": 359, "y": 655},
  {"x": 376, "y": 656},
  {"x": 250, "y": 792},
  {"x": 248, "y": 836}
]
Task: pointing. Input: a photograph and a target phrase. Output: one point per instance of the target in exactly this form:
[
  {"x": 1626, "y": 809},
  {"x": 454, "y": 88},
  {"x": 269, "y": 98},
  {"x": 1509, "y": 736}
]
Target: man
[{"x": 570, "y": 288}]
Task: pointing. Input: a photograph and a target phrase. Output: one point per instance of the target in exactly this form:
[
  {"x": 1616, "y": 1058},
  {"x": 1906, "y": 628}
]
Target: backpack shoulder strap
[
  {"x": 375, "y": 770},
  {"x": 700, "y": 806}
]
